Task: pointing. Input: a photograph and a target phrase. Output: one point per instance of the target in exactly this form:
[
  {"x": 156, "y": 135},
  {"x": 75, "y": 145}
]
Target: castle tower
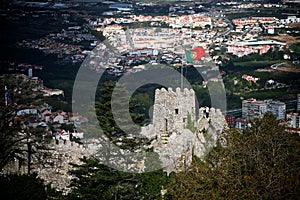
[{"x": 172, "y": 110}]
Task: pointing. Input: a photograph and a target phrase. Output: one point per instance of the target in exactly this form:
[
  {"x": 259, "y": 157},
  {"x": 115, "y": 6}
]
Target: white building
[
  {"x": 271, "y": 30},
  {"x": 252, "y": 108},
  {"x": 277, "y": 108},
  {"x": 242, "y": 123},
  {"x": 51, "y": 92},
  {"x": 293, "y": 120},
  {"x": 292, "y": 124}
]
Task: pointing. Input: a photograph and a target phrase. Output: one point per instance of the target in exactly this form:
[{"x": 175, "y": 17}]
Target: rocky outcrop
[
  {"x": 55, "y": 170},
  {"x": 53, "y": 164}
]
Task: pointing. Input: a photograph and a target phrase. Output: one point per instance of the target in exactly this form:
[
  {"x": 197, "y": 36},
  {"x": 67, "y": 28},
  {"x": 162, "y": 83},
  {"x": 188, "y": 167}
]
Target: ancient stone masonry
[
  {"x": 55, "y": 166},
  {"x": 173, "y": 111}
]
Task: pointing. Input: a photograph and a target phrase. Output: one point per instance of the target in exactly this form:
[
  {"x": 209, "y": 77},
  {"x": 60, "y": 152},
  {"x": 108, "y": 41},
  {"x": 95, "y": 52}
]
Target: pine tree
[
  {"x": 19, "y": 187},
  {"x": 16, "y": 139},
  {"x": 93, "y": 180},
  {"x": 107, "y": 119}
]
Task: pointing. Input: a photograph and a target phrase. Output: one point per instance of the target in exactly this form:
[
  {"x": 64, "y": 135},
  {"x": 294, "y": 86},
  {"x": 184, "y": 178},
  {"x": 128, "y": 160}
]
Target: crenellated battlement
[
  {"x": 172, "y": 108},
  {"x": 178, "y": 92}
]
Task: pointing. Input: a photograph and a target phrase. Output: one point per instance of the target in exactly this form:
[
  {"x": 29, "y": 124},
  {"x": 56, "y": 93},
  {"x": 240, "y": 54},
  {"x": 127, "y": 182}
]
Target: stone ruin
[
  {"x": 174, "y": 113},
  {"x": 53, "y": 166},
  {"x": 170, "y": 112}
]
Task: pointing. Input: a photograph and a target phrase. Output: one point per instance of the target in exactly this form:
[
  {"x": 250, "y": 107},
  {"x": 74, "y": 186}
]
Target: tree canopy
[
  {"x": 106, "y": 117},
  {"x": 18, "y": 187},
  {"x": 93, "y": 180},
  {"x": 262, "y": 162}
]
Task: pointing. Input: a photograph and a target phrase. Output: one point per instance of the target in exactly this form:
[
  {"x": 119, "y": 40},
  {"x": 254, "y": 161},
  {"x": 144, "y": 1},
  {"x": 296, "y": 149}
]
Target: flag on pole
[{"x": 194, "y": 54}]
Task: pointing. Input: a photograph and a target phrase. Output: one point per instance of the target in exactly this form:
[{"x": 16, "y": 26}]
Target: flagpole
[
  {"x": 181, "y": 83},
  {"x": 181, "y": 78}
]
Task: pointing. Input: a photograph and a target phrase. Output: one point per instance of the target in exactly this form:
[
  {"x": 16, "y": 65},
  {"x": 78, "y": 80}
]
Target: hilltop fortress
[{"x": 180, "y": 129}]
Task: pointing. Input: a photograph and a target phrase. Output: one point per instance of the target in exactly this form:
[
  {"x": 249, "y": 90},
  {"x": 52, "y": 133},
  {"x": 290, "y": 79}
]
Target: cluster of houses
[
  {"x": 44, "y": 116},
  {"x": 18, "y": 66},
  {"x": 254, "y": 20},
  {"x": 265, "y": 20},
  {"x": 149, "y": 45},
  {"x": 135, "y": 60},
  {"x": 68, "y": 44},
  {"x": 253, "y": 27},
  {"x": 38, "y": 86},
  {"x": 180, "y": 32},
  {"x": 156, "y": 38},
  {"x": 177, "y": 21},
  {"x": 193, "y": 21},
  {"x": 247, "y": 47},
  {"x": 149, "y": 55}
]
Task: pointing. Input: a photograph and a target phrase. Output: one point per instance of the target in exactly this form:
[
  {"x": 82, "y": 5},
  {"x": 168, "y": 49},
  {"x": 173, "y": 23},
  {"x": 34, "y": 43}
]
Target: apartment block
[{"x": 252, "y": 108}]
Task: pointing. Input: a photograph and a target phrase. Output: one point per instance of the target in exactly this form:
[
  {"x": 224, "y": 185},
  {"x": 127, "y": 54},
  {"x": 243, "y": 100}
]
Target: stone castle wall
[
  {"x": 171, "y": 109},
  {"x": 174, "y": 143}
]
